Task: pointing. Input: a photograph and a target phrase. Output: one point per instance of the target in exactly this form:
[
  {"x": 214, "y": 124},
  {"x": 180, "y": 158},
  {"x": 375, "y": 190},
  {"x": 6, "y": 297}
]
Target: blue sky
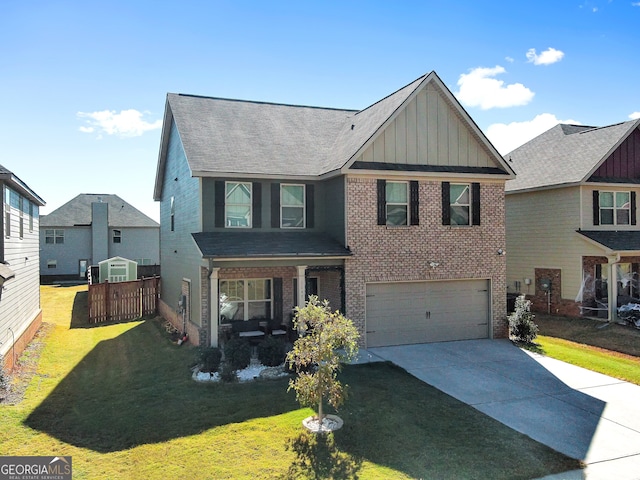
[{"x": 83, "y": 84}]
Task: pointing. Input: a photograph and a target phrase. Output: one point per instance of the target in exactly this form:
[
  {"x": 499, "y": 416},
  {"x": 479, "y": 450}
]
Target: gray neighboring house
[
  {"x": 91, "y": 228},
  {"x": 20, "y": 313},
  {"x": 394, "y": 213}
]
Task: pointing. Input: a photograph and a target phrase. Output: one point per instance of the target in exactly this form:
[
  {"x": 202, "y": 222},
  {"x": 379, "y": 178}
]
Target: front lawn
[{"x": 120, "y": 400}]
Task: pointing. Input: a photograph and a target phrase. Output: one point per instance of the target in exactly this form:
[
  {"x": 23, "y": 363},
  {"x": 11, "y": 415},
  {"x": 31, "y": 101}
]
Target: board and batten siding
[
  {"x": 541, "y": 233},
  {"x": 447, "y": 142},
  {"x": 179, "y": 255},
  {"x": 20, "y": 302}
]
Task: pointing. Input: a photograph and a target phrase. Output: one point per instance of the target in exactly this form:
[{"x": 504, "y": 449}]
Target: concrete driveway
[{"x": 583, "y": 414}]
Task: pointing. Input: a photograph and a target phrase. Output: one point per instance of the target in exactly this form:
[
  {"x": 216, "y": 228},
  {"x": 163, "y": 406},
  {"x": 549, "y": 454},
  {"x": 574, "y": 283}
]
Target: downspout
[{"x": 612, "y": 290}]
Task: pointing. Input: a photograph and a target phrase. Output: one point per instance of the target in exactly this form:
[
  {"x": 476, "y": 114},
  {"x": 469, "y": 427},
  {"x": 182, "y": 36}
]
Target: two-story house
[
  {"x": 394, "y": 213},
  {"x": 572, "y": 232},
  {"x": 20, "y": 313},
  {"x": 91, "y": 228}
]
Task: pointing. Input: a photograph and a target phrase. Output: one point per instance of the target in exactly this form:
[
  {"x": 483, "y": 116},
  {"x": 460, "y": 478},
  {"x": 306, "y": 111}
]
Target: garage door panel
[{"x": 418, "y": 312}]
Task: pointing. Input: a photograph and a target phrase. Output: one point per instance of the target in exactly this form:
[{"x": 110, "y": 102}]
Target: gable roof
[
  {"x": 565, "y": 155},
  {"x": 13, "y": 181},
  {"x": 77, "y": 212},
  {"x": 224, "y": 137}
]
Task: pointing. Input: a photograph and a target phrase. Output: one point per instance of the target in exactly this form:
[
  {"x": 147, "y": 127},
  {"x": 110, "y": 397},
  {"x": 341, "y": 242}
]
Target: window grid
[
  {"x": 246, "y": 299},
  {"x": 615, "y": 208},
  {"x": 460, "y": 204}
]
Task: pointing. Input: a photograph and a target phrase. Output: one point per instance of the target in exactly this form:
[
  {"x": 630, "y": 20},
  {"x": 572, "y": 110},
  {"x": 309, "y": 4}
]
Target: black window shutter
[
  {"x": 382, "y": 202},
  {"x": 310, "y": 205},
  {"x": 596, "y": 207},
  {"x": 446, "y": 211},
  {"x": 256, "y": 200},
  {"x": 633, "y": 208},
  {"x": 414, "y": 197},
  {"x": 219, "y": 204},
  {"x": 475, "y": 204},
  {"x": 277, "y": 299},
  {"x": 275, "y": 205}
]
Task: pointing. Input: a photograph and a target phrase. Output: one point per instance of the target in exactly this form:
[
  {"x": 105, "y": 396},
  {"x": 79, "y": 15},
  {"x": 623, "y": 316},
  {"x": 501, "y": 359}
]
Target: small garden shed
[{"x": 118, "y": 269}]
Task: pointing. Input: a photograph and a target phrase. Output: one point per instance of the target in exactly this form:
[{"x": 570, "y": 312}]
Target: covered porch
[
  {"x": 253, "y": 281},
  {"x": 611, "y": 282}
]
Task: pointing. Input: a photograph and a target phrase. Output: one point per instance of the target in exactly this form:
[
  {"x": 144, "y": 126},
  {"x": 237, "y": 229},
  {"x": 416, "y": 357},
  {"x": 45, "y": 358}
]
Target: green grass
[
  {"x": 119, "y": 399},
  {"x": 605, "y": 348}
]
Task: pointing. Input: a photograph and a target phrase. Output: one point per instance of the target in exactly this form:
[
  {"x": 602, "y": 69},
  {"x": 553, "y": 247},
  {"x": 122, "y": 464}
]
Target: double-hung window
[
  {"x": 615, "y": 208},
  {"x": 117, "y": 236},
  {"x": 460, "y": 203},
  {"x": 292, "y": 206},
  {"x": 54, "y": 236},
  {"x": 397, "y": 201},
  {"x": 245, "y": 299},
  {"x": 237, "y": 205}
]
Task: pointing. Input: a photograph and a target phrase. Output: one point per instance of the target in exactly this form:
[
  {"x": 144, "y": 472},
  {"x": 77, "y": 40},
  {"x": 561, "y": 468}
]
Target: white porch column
[
  {"x": 214, "y": 307},
  {"x": 301, "y": 285},
  {"x": 612, "y": 289}
]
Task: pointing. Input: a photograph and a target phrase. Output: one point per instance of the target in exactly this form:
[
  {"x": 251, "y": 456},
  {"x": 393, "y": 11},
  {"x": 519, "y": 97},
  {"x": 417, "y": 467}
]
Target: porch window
[
  {"x": 237, "y": 205},
  {"x": 245, "y": 299},
  {"x": 292, "y": 206},
  {"x": 627, "y": 279},
  {"x": 615, "y": 208}
]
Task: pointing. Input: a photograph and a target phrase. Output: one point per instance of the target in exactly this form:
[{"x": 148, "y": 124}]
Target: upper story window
[
  {"x": 292, "y": 206},
  {"x": 397, "y": 197},
  {"x": 398, "y": 203},
  {"x": 237, "y": 205},
  {"x": 117, "y": 236},
  {"x": 615, "y": 208},
  {"x": 54, "y": 236},
  {"x": 460, "y": 204},
  {"x": 172, "y": 213}
]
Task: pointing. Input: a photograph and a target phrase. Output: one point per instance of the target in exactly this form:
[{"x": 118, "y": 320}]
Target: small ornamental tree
[
  {"x": 326, "y": 339},
  {"x": 521, "y": 325}
]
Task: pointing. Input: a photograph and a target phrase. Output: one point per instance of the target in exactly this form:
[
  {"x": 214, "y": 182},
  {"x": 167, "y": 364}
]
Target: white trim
[
  {"x": 304, "y": 205},
  {"x": 226, "y": 204}
]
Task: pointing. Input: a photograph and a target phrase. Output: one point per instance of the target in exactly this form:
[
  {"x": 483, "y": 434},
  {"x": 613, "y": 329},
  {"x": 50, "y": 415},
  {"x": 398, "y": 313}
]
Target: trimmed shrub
[
  {"x": 521, "y": 325},
  {"x": 237, "y": 352},
  {"x": 271, "y": 352},
  {"x": 228, "y": 374},
  {"x": 210, "y": 359}
]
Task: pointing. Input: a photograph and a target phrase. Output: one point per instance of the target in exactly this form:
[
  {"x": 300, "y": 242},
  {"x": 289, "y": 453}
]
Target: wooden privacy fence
[{"x": 117, "y": 302}]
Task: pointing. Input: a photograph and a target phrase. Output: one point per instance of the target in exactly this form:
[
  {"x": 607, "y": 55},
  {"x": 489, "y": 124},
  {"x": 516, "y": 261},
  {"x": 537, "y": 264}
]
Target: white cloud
[
  {"x": 507, "y": 137},
  {"x": 635, "y": 4},
  {"x": 634, "y": 115},
  {"x": 509, "y": 59},
  {"x": 478, "y": 88},
  {"x": 127, "y": 123},
  {"x": 549, "y": 56}
]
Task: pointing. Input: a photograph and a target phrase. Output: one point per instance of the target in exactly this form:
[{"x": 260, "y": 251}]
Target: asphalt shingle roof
[
  {"x": 77, "y": 212},
  {"x": 618, "y": 241},
  {"x": 238, "y": 244},
  {"x": 564, "y": 154}
]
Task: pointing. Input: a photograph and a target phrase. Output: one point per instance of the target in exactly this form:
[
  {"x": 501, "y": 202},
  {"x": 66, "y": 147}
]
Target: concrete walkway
[{"x": 583, "y": 414}]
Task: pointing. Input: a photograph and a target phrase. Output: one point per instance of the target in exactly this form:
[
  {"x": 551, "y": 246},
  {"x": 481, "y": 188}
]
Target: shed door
[{"x": 420, "y": 312}]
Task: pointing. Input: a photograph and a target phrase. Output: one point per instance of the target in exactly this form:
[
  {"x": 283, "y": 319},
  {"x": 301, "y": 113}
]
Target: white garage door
[{"x": 419, "y": 312}]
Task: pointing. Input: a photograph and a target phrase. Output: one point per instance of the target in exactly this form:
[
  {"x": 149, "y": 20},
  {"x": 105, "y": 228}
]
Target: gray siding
[
  {"x": 179, "y": 255},
  {"x": 330, "y": 207},
  {"x": 136, "y": 243},
  {"x": 76, "y": 247},
  {"x": 20, "y": 301}
]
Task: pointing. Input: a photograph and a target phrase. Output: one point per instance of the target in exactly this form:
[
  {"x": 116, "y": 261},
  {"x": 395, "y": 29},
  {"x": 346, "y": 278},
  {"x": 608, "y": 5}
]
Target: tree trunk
[{"x": 320, "y": 415}]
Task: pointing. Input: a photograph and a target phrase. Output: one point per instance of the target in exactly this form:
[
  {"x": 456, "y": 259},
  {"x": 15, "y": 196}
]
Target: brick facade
[{"x": 388, "y": 254}]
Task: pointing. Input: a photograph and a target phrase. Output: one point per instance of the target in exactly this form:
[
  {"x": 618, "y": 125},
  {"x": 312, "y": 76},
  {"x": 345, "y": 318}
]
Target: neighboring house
[
  {"x": 572, "y": 219},
  {"x": 395, "y": 214},
  {"x": 91, "y": 228},
  {"x": 20, "y": 313}
]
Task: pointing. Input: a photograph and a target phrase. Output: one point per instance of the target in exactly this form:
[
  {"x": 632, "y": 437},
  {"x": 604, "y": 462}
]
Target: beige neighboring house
[
  {"x": 573, "y": 239},
  {"x": 394, "y": 213}
]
